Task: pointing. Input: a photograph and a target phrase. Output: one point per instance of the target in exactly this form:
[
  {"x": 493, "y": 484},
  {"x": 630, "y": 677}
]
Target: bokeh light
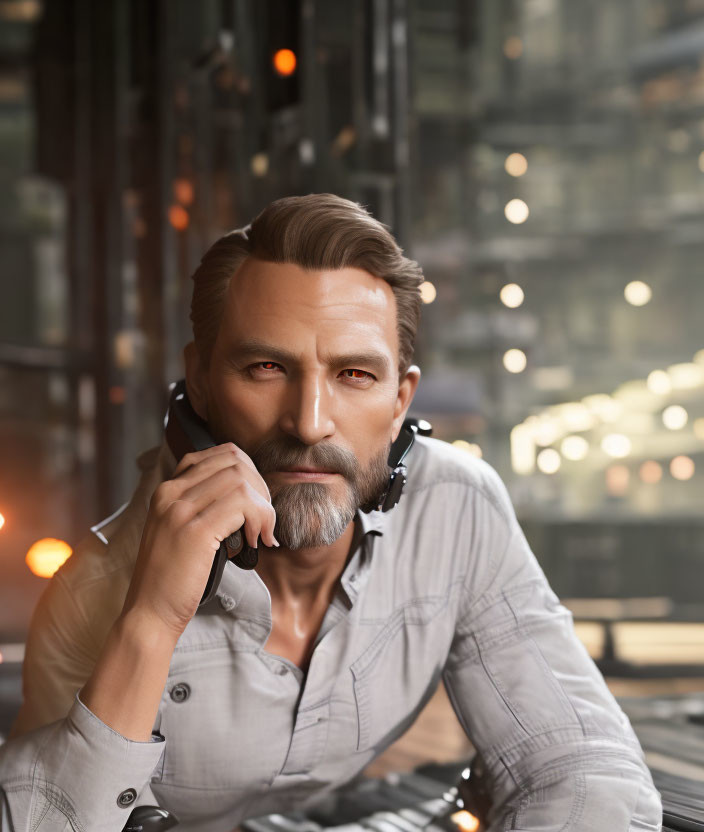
[
  {"x": 674, "y": 417},
  {"x": 468, "y": 447},
  {"x": 428, "y": 292},
  {"x": 522, "y": 449},
  {"x": 516, "y": 164},
  {"x": 616, "y": 445},
  {"x": 2, "y": 521},
  {"x": 659, "y": 383},
  {"x": 465, "y": 821},
  {"x": 651, "y": 472},
  {"x": 577, "y": 416},
  {"x": 516, "y": 211},
  {"x": 604, "y": 406},
  {"x": 682, "y": 468},
  {"x": 512, "y": 295},
  {"x": 637, "y": 293},
  {"x": 574, "y": 448},
  {"x": 698, "y": 427},
  {"x": 259, "y": 164},
  {"x": 548, "y": 461},
  {"x": 547, "y": 431},
  {"x": 515, "y": 361},
  {"x": 617, "y": 479},
  {"x": 686, "y": 376},
  {"x": 183, "y": 191},
  {"x": 513, "y": 47},
  {"x": 284, "y": 61},
  {"x": 178, "y": 217},
  {"x": 46, "y": 555}
]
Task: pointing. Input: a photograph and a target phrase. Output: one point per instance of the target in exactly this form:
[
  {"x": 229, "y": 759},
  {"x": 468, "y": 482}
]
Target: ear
[
  {"x": 406, "y": 391},
  {"x": 196, "y": 380}
]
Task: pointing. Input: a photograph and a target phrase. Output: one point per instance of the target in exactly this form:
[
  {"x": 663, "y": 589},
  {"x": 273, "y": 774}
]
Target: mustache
[{"x": 288, "y": 452}]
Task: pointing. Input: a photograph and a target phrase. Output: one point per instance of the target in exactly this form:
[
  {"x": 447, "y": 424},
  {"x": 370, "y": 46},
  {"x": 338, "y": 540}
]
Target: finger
[
  {"x": 231, "y": 511},
  {"x": 191, "y": 459},
  {"x": 220, "y": 474}
]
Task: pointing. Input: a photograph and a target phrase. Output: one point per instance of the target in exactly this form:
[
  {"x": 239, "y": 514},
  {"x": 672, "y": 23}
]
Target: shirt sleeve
[
  {"x": 557, "y": 750},
  {"x": 75, "y": 774},
  {"x": 62, "y": 768}
]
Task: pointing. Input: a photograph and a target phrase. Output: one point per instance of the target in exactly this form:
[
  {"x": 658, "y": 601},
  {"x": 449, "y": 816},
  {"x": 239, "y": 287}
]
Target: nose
[{"x": 308, "y": 412}]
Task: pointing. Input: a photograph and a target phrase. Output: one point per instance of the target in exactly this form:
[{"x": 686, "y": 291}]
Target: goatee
[{"x": 313, "y": 514}]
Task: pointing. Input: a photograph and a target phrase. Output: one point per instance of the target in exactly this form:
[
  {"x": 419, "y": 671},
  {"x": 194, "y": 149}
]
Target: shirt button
[
  {"x": 227, "y": 603},
  {"x": 180, "y": 692},
  {"x": 127, "y": 797}
]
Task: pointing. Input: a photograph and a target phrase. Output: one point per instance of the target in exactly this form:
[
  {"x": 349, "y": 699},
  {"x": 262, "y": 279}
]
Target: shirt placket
[{"x": 308, "y": 741}]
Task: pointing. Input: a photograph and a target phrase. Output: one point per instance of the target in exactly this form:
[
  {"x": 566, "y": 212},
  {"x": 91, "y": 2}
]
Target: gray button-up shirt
[{"x": 444, "y": 586}]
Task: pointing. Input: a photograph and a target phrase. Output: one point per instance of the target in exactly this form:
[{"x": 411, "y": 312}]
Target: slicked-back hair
[{"x": 316, "y": 232}]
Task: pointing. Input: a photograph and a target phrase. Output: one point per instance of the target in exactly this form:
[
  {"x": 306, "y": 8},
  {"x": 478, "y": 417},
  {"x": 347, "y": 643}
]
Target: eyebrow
[{"x": 253, "y": 347}]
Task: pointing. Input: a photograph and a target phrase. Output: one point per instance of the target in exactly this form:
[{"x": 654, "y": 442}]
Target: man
[{"x": 299, "y": 673}]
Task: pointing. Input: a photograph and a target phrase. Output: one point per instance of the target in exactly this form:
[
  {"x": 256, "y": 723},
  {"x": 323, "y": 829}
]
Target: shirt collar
[{"x": 372, "y": 522}]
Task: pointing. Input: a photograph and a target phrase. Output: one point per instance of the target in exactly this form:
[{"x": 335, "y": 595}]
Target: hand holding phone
[{"x": 213, "y": 493}]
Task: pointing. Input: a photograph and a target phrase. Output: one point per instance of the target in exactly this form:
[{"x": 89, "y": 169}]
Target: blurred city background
[{"x": 542, "y": 159}]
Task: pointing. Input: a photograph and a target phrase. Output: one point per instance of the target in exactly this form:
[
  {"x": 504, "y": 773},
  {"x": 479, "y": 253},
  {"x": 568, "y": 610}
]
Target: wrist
[{"x": 146, "y": 628}]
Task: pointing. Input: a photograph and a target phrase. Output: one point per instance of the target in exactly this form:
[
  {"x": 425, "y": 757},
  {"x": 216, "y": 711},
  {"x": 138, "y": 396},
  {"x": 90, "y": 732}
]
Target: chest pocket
[{"x": 400, "y": 670}]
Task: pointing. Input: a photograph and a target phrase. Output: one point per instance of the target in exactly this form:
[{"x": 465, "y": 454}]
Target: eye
[
  {"x": 266, "y": 366},
  {"x": 360, "y": 375}
]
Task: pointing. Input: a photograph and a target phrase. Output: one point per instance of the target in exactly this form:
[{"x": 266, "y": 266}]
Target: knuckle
[
  {"x": 163, "y": 494},
  {"x": 178, "y": 513},
  {"x": 238, "y": 483}
]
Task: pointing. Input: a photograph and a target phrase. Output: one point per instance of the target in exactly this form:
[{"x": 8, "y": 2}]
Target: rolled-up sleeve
[
  {"x": 75, "y": 774},
  {"x": 558, "y": 751}
]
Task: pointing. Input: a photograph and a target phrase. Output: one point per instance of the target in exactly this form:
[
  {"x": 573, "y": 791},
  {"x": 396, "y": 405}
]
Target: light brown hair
[{"x": 316, "y": 232}]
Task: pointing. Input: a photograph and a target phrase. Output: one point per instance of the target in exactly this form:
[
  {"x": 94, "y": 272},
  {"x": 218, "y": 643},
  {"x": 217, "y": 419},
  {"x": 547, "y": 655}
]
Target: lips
[{"x": 305, "y": 470}]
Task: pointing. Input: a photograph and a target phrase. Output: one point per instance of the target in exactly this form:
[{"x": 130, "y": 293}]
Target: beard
[{"x": 312, "y": 514}]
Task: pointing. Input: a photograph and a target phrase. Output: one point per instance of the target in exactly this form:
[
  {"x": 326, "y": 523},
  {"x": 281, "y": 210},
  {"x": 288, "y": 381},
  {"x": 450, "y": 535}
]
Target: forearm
[
  {"x": 582, "y": 793},
  {"x": 125, "y": 688}
]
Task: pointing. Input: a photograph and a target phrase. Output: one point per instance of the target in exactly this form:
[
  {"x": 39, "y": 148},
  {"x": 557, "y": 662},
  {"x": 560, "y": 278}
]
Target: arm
[
  {"x": 72, "y": 770},
  {"x": 558, "y": 751},
  {"x": 71, "y": 773}
]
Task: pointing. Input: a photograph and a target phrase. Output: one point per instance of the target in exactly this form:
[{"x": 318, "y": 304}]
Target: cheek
[
  {"x": 242, "y": 415},
  {"x": 371, "y": 433}
]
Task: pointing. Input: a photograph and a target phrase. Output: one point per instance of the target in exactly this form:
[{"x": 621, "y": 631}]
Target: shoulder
[
  {"x": 90, "y": 587},
  {"x": 438, "y": 467}
]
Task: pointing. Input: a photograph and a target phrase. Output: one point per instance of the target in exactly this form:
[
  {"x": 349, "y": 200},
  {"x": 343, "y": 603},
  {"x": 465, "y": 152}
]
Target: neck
[{"x": 306, "y": 574}]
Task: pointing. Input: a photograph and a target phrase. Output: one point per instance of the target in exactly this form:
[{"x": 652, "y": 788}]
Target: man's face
[{"x": 304, "y": 374}]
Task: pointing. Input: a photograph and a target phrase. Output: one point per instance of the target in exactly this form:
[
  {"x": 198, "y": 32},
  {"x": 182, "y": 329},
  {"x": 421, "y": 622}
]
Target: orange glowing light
[
  {"x": 183, "y": 191},
  {"x": 46, "y": 556},
  {"x": 465, "y": 821},
  {"x": 116, "y": 394},
  {"x": 178, "y": 217},
  {"x": 285, "y": 61},
  {"x": 2, "y": 521}
]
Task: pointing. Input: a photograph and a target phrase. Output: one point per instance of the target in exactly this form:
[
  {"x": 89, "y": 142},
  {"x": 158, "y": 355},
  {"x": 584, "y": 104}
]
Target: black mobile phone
[{"x": 186, "y": 432}]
